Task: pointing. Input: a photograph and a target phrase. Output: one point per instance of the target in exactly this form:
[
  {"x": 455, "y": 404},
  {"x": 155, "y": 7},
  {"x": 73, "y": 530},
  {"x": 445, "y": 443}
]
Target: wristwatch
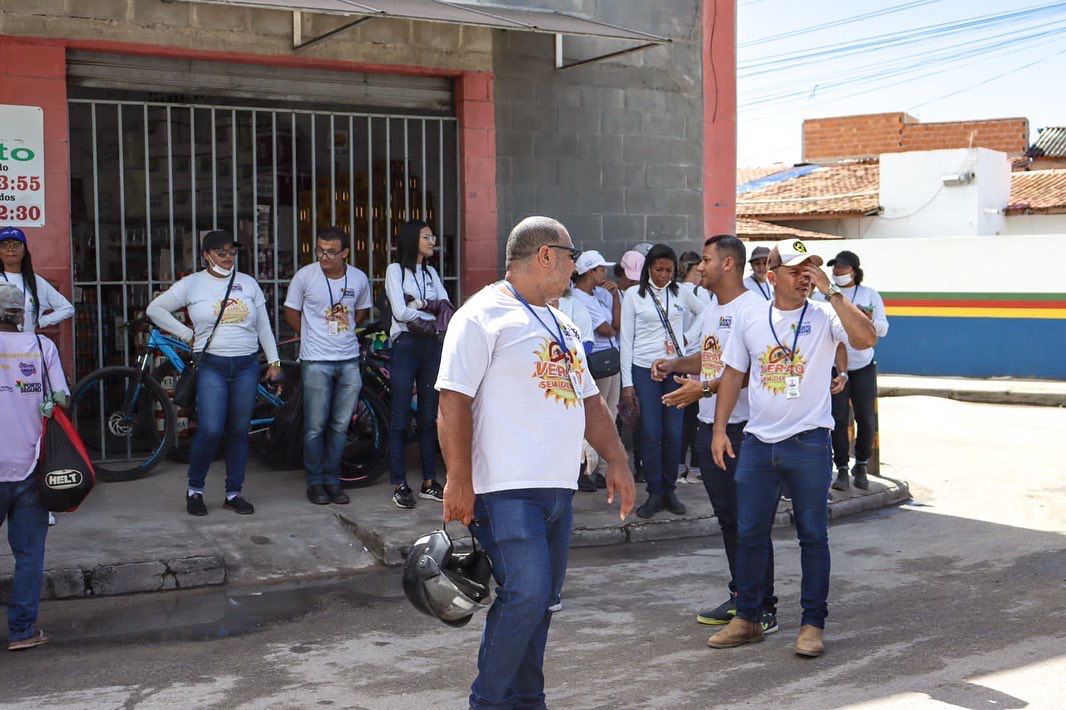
[
  {"x": 705, "y": 387},
  {"x": 833, "y": 290},
  {"x": 276, "y": 363}
]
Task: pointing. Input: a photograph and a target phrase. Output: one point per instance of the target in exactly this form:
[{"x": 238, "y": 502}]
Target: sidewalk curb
[
  {"x": 1036, "y": 399},
  {"x": 128, "y": 578}
]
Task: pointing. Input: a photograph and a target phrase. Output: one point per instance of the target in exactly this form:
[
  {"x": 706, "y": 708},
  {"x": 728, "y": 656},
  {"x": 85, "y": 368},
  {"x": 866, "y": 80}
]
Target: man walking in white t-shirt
[
  {"x": 787, "y": 348},
  {"x": 516, "y": 400},
  {"x": 324, "y": 304}
]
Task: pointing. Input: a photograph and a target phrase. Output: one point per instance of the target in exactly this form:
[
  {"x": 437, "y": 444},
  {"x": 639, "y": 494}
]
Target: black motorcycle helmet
[{"x": 444, "y": 584}]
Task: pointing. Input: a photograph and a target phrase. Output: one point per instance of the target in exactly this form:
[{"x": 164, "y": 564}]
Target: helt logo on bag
[
  {"x": 63, "y": 479},
  {"x": 27, "y": 369},
  {"x": 28, "y": 387}
]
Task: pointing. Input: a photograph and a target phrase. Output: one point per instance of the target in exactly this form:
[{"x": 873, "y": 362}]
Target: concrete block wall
[
  {"x": 613, "y": 149},
  {"x": 866, "y": 136}
]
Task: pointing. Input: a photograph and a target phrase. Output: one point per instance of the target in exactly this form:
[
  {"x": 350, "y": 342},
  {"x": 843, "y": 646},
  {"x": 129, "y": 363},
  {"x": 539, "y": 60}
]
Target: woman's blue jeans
[
  {"x": 225, "y": 395},
  {"x": 660, "y": 431}
]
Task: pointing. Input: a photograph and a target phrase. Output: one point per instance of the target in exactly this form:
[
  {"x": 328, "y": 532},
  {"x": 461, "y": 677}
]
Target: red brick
[{"x": 478, "y": 114}]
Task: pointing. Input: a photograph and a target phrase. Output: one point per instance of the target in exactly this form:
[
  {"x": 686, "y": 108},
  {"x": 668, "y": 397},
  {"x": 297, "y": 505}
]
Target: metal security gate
[{"x": 148, "y": 179}]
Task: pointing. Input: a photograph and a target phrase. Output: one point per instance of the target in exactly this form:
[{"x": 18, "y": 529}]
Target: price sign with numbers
[{"x": 21, "y": 166}]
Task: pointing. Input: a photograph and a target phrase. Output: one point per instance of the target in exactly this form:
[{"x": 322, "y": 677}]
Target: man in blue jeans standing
[
  {"x": 324, "y": 304},
  {"x": 21, "y": 394},
  {"x": 787, "y": 347},
  {"x": 516, "y": 400}
]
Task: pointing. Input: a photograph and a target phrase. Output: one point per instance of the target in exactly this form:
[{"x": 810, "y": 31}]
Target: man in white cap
[
  {"x": 787, "y": 348},
  {"x": 756, "y": 282}
]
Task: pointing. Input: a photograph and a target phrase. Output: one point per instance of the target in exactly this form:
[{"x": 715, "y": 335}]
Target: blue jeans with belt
[
  {"x": 660, "y": 431},
  {"x": 27, "y": 527},
  {"x": 225, "y": 395},
  {"x": 804, "y": 461},
  {"x": 415, "y": 360},
  {"x": 330, "y": 392},
  {"x": 526, "y": 535}
]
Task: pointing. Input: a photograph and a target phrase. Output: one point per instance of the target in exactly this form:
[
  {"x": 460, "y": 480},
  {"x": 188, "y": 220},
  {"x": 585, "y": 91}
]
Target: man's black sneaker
[
  {"x": 336, "y": 494},
  {"x": 673, "y": 503},
  {"x": 195, "y": 504},
  {"x": 721, "y": 614},
  {"x": 601, "y": 481},
  {"x": 859, "y": 472},
  {"x": 769, "y": 622},
  {"x": 317, "y": 494},
  {"x": 403, "y": 497},
  {"x": 841, "y": 481},
  {"x": 786, "y": 493},
  {"x": 585, "y": 484},
  {"x": 651, "y": 506},
  {"x": 431, "y": 490},
  {"x": 239, "y": 505}
]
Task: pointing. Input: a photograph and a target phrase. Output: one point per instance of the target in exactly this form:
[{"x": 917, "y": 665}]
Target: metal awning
[{"x": 543, "y": 21}]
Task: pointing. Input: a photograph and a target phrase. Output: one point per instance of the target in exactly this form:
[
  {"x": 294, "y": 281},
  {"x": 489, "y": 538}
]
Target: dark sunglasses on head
[{"x": 574, "y": 251}]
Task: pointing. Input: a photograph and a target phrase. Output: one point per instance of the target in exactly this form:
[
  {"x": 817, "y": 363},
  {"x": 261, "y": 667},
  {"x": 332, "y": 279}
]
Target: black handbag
[
  {"x": 605, "y": 363},
  {"x": 185, "y": 387},
  {"x": 65, "y": 473}
]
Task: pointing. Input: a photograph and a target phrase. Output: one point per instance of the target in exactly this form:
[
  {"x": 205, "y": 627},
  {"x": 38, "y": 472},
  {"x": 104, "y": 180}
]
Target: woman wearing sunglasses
[
  {"x": 228, "y": 371},
  {"x": 44, "y": 305}
]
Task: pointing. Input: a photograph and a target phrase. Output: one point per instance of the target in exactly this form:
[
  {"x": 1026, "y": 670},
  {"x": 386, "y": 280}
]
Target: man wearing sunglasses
[{"x": 325, "y": 302}]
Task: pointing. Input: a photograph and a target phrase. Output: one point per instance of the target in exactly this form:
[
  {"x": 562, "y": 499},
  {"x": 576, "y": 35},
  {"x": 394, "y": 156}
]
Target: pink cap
[{"x": 632, "y": 263}]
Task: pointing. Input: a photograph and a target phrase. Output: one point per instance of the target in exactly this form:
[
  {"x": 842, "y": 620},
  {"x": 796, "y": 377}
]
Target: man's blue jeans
[
  {"x": 804, "y": 461},
  {"x": 526, "y": 534},
  {"x": 721, "y": 488},
  {"x": 330, "y": 391},
  {"x": 660, "y": 431},
  {"x": 225, "y": 395},
  {"x": 27, "y": 527}
]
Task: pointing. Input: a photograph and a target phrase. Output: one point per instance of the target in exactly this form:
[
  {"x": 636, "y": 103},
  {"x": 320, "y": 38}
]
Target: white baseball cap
[
  {"x": 590, "y": 260},
  {"x": 791, "y": 252}
]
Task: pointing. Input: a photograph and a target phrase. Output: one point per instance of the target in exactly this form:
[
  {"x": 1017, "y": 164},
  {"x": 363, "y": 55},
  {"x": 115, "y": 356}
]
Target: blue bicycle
[{"x": 129, "y": 423}]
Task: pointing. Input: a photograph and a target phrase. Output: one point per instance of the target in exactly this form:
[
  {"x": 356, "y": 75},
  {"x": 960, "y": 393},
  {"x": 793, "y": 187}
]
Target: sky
[{"x": 994, "y": 68}]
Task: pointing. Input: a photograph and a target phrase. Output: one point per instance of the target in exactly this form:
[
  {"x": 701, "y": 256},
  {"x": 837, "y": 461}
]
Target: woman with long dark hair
[
  {"x": 653, "y": 317},
  {"x": 411, "y": 284},
  {"x": 44, "y": 305}
]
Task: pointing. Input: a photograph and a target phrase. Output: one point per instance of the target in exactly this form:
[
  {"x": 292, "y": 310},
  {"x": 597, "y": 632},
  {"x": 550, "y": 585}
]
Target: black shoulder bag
[
  {"x": 665, "y": 317},
  {"x": 185, "y": 387}
]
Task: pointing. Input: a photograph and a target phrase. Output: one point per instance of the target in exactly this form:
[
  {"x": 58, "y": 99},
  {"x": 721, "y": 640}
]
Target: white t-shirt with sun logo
[
  {"x": 717, "y": 328},
  {"x": 774, "y": 417},
  {"x": 529, "y": 415},
  {"x": 327, "y": 309}
]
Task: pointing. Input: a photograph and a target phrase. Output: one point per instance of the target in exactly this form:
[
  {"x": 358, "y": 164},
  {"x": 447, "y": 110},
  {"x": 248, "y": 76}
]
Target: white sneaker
[
  {"x": 556, "y": 607},
  {"x": 51, "y": 520}
]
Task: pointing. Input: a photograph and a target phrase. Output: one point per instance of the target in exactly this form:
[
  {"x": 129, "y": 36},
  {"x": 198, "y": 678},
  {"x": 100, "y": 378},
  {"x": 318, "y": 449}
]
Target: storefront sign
[{"x": 21, "y": 166}]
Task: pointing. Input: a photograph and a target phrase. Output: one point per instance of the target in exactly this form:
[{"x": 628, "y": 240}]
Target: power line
[
  {"x": 988, "y": 80},
  {"x": 836, "y": 23}
]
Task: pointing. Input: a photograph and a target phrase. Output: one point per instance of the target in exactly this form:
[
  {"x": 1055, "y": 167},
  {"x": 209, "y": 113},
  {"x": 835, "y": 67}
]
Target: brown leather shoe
[
  {"x": 39, "y": 638},
  {"x": 809, "y": 641},
  {"x": 737, "y": 633}
]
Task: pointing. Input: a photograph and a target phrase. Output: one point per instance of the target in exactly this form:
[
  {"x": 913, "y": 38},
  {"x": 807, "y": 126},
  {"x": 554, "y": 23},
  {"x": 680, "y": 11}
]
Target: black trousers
[{"x": 861, "y": 393}]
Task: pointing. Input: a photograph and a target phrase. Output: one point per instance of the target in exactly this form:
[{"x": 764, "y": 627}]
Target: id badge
[
  {"x": 792, "y": 387},
  {"x": 334, "y": 327},
  {"x": 670, "y": 347},
  {"x": 575, "y": 382}
]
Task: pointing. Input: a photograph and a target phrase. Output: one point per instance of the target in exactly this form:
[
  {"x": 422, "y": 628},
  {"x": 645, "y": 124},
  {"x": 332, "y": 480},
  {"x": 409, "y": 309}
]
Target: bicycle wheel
[
  {"x": 126, "y": 421},
  {"x": 365, "y": 455}
]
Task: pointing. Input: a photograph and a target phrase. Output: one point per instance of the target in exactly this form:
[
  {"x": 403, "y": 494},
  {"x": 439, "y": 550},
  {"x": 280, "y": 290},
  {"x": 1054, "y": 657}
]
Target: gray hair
[
  {"x": 529, "y": 235},
  {"x": 12, "y": 303}
]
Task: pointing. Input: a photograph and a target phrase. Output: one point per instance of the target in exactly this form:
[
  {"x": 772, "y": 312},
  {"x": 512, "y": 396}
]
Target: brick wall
[{"x": 831, "y": 139}]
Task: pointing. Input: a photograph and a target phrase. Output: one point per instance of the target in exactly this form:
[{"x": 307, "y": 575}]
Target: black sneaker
[
  {"x": 721, "y": 614},
  {"x": 194, "y": 504},
  {"x": 403, "y": 497},
  {"x": 431, "y": 490},
  {"x": 859, "y": 472},
  {"x": 600, "y": 480},
  {"x": 673, "y": 503},
  {"x": 585, "y": 484},
  {"x": 651, "y": 506},
  {"x": 336, "y": 494},
  {"x": 239, "y": 505},
  {"x": 841, "y": 482},
  {"x": 316, "y": 493},
  {"x": 769, "y": 622}
]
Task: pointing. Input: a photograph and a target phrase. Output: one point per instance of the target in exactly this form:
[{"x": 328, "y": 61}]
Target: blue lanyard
[
  {"x": 789, "y": 354},
  {"x": 855, "y": 294},
  {"x": 765, "y": 294},
  {"x": 557, "y": 338},
  {"x": 424, "y": 288},
  {"x": 330, "y": 288}
]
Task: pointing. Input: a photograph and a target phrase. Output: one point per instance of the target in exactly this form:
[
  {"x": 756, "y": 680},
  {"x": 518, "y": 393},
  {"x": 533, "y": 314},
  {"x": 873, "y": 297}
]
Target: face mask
[
  {"x": 219, "y": 270},
  {"x": 843, "y": 279}
]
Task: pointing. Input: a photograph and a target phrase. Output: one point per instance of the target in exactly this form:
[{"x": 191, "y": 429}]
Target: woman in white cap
[
  {"x": 45, "y": 306},
  {"x": 228, "y": 308}
]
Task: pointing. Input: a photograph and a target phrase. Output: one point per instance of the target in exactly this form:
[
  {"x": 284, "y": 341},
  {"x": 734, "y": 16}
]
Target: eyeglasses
[
  {"x": 328, "y": 253},
  {"x": 431, "y": 238},
  {"x": 12, "y": 245},
  {"x": 574, "y": 251},
  {"x": 224, "y": 252}
]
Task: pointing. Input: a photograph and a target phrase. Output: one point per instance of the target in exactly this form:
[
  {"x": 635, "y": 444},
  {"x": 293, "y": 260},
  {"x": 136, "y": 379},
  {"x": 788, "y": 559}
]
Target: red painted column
[
  {"x": 719, "y": 117},
  {"x": 34, "y": 73},
  {"x": 476, "y": 111}
]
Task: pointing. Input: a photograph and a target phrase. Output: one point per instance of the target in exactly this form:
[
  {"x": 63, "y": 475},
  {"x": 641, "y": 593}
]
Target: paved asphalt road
[{"x": 956, "y": 600}]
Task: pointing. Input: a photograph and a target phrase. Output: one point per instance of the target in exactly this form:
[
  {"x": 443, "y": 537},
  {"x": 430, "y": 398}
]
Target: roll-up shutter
[{"x": 93, "y": 70}]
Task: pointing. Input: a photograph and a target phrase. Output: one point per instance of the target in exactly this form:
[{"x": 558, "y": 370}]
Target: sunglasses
[{"x": 574, "y": 251}]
